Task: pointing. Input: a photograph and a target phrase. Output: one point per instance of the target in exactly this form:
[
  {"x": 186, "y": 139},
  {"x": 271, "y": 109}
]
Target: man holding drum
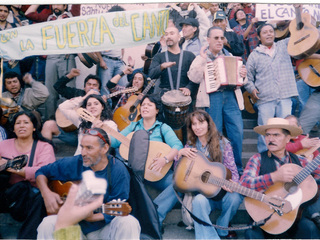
[
  {"x": 172, "y": 67},
  {"x": 225, "y": 103}
]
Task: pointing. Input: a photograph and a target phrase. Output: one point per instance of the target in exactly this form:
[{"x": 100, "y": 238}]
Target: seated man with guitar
[
  {"x": 284, "y": 174},
  {"x": 94, "y": 156}
]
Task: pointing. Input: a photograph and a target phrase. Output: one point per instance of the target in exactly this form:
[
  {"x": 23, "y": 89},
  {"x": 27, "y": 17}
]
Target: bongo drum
[{"x": 176, "y": 108}]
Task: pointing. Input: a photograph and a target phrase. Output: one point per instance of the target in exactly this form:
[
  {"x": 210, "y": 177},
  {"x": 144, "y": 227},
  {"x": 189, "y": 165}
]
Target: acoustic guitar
[
  {"x": 6, "y": 112},
  {"x": 89, "y": 59},
  {"x": 201, "y": 175},
  {"x": 130, "y": 112},
  {"x": 156, "y": 149},
  {"x": 151, "y": 50},
  {"x": 302, "y": 188},
  {"x": 305, "y": 37},
  {"x": 307, "y": 152},
  {"x": 248, "y": 102},
  {"x": 66, "y": 125},
  {"x": 113, "y": 208},
  {"x": 16, "y": 163},
  {"x": 309, "y": 71},
  {"x": 281, "y": 29}
]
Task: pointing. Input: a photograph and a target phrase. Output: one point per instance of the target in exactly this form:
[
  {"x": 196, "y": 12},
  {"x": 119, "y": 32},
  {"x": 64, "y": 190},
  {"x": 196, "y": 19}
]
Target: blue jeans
[
  {"x": 224, "y": 110},
  {"x": 310, "y": 114},
  {"x": 277, "y": 108},
  {"x": 202, "y": 207},
  {"x": 114, "y": 67},
  {"x": 304, "y": 93},
  {"x": 167, "y": 198}
]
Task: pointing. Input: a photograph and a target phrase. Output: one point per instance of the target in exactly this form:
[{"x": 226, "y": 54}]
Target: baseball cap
[
  {"x": 190, "y": 21},
  {"x": 219, "y": 15}
]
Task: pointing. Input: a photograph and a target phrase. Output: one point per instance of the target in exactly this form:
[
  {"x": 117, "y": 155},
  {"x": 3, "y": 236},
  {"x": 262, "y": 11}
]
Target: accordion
[{"x": 223, "y": 73}]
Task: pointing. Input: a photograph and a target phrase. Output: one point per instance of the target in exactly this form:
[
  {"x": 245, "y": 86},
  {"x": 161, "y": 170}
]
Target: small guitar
[
  {"x": 151, "y": 50},
  {"x": 201, "y": 175},
  {"x": 6, "y": 112},
  {"x": 308, "y": 153},
  {"x": 281, "y": 29},
  {"x": 300, "y": 190},
  {"x": 66, "y": 125},
  {"x": 305, "y": 37},
  {"x": 113, "y": 208},
  {"x": 248, "y": 102},
  {"x": 89, "y": 59},
  {"x": 130, "y": 112},
  {"x": 156, "y": 149},
  {"x": 309, "y": 71},
  {"x": 16, "y": 163}
]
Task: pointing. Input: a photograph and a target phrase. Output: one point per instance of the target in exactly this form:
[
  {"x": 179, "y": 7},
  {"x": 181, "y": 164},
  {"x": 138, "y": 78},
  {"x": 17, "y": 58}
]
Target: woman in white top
[{"x": 95, "y": 104}]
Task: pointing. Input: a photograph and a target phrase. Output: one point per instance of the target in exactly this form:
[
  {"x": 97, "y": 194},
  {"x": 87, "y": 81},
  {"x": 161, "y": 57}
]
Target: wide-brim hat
[{"x": 278, "y": 123}]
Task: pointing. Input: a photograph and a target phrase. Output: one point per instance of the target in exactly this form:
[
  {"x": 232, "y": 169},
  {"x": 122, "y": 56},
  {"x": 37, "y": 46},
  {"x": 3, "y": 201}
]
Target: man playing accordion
[{"x": 224, "y": 101}]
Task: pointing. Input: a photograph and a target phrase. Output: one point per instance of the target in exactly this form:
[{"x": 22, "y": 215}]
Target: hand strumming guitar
[{"x": 284, "y": 174}]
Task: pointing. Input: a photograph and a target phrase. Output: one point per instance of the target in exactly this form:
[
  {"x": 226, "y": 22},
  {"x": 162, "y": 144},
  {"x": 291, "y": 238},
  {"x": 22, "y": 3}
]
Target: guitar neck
[
  {"x": 128, "y": 90},
  {"x": 235, "y": 187},
  {"x": 298, "y": 18},
  {"x": 145, "y": 91},
  {"x": 123, "y": 139},
  {"x": 307, "y": 170}
]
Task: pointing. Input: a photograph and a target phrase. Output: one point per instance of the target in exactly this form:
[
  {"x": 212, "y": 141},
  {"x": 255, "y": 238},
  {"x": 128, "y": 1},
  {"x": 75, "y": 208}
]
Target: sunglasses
[
  {"x": 94, "y": 132},
  {"x": 217, "y": 38}
]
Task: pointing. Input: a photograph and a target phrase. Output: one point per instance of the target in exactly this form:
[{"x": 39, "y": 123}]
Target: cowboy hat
[{"x": 278, "y": 123}]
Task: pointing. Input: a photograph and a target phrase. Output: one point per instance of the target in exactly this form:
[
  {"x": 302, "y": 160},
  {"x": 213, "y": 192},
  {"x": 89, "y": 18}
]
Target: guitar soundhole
[
  {"x": 205, "y": 177},
  {"x": 291, "y": 187}
]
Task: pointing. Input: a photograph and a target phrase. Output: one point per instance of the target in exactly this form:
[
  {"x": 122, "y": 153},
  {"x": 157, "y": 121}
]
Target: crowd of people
[{"x": 120, "y": 103}]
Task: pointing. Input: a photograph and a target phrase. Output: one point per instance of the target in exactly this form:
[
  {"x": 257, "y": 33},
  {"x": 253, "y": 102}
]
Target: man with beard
[
  {"x": 57, "y": 65},
  {"x": 94, "y": 156},
  {"x": 274, "y": 166},
  {"x": 223, "y": 105},
  {"x": 174, "y": 61}
]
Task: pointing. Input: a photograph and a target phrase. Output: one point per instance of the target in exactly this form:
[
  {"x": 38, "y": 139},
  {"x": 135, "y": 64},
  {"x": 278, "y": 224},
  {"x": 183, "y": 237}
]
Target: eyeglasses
[
  {"x": 217, "y": 38},
  {"x": 94, "y": 132}
]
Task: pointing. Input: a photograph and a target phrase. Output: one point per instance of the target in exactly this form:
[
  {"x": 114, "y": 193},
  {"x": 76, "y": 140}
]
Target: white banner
[
  {"x": 267, "y": 12},
  {"x": 85, "y": 33}
]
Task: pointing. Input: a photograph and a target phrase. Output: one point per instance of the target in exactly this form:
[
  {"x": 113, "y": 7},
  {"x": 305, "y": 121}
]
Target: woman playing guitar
[{"x": 203, "y": 136}]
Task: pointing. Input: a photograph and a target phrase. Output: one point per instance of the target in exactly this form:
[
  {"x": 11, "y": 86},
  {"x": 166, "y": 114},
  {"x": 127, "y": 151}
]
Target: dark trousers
[
  {"x": 304, "y": 229},
  {"x": 36, "y": 211}
]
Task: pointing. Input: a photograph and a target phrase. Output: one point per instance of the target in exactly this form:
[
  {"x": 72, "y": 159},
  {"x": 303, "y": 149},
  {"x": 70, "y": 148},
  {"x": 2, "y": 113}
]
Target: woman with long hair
[
  {"x": 204, "y": 137},
  {"x": 21, "y": 183},
  {"x": 95, "y": 104}
]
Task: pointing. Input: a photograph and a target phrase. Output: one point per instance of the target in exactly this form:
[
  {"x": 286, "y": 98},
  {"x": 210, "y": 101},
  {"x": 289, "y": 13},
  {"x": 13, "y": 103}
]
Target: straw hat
[{"x": 278, "y": 123}]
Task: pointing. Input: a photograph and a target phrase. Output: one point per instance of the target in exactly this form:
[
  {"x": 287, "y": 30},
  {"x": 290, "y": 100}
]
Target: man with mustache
[
  {"x": 223, "y": 105},
  {"x": 269, "y": 167},
  {"x": 94, "y": 156},
  {"x": 159, "y": 66},
  {"x": 22, "y": 98}
]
